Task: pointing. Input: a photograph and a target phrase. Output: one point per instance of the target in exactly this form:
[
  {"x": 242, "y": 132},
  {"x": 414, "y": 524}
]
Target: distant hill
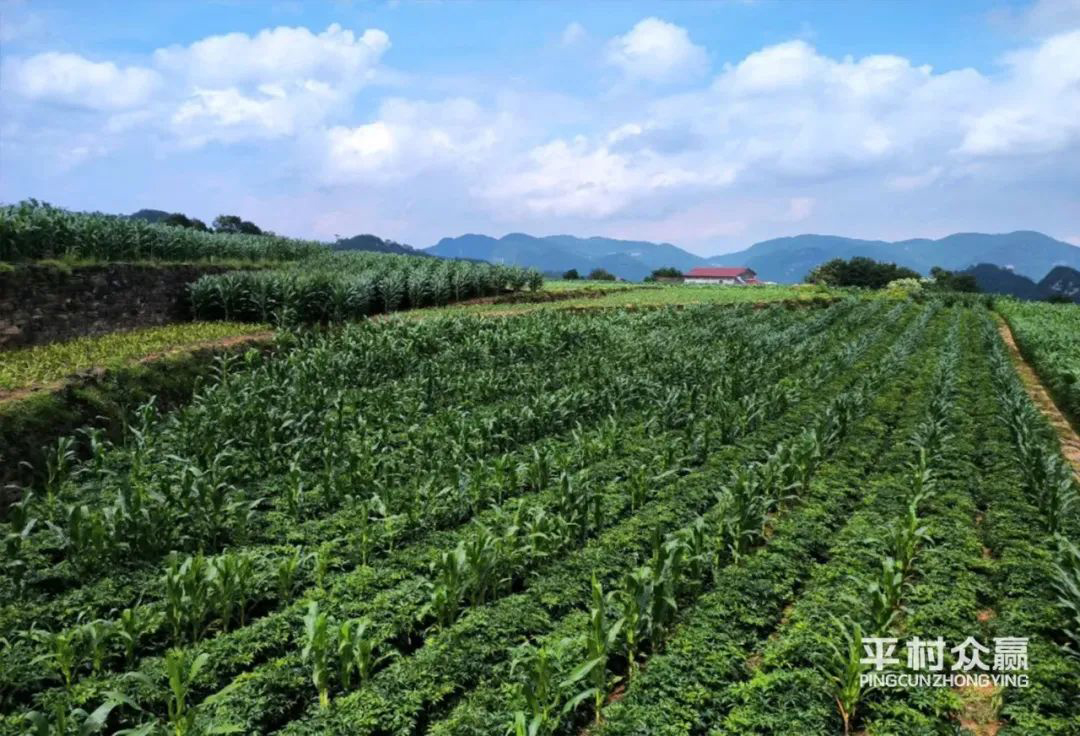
[
  {"x": 1027, "y": 253},
  {"x": 628, "y": 259},
  {"x": 376, "y": 244},
  {"x": 149, "y": 215},
  {"x": 1062, "y": 281},
  {"x": 787, "y": 260}
]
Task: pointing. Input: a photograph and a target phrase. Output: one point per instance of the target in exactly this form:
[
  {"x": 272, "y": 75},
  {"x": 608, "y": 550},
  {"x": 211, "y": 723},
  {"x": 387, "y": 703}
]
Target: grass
[
  {"x": 642, "y": 295},
  {"x": 33, "y": 366},
  {"x": 584, "y": 285}
]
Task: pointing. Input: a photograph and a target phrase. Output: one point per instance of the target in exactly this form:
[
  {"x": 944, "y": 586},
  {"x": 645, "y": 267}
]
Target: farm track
[
  {"x": 1040, "y": 396},
  {"x": 561, "y": 597},
  {"x": 286, "y": 629}
]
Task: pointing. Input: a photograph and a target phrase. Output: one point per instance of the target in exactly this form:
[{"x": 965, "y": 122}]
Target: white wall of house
[{"x": 702, "y": 280}]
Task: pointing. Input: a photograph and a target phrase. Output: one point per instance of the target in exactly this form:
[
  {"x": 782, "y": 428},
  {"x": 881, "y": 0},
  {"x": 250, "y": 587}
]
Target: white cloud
[
  {"x": 277, "y": 55},
  {"x": 276, "y": 83},
  {"x": 577, "y": 178},
  {"x": 410, "y": 136},
  {"x": 656, "y": 50},
  {"x": 1038, "y": 109},
  {"x": 270, "y": 85},
  {"x": 71, "y": 79},
  {"x": 573, "y": 33}
]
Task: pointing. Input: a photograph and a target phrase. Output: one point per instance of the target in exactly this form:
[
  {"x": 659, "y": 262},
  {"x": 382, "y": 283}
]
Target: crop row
[
  {"x": 488, "y": 706},
  {"x": 798, "y": 678}
]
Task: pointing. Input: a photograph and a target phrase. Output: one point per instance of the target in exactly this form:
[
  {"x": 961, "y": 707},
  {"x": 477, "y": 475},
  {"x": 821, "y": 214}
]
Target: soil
[
  {"x": 1069, "y": 439},
  {"x": 979, "y": 714}
]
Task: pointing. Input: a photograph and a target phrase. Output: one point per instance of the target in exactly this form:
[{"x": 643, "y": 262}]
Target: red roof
[{"x": 719, "y": 273}]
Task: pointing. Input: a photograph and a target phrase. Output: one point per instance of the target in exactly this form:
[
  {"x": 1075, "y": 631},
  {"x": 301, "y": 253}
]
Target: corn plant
[
  {"x": 1056, "y": 493},
  {"x": 538, "y": 686},
  {"x": 699, "y": 557},
  {"x": 97, "y": 636},
  {"x": 357, "y": 653},
  {"x": 63, "y": 722},
  {"x": 58, "y": 464},
  {"x": 450, "y": 575},
  {"x": 745, "y": 510},
  {"x": 483, "y": 555},
  {"x": 229, "y": 578},
  {"x": 316, "y": 650},
  {"x": 885, "y": 592},
  {"x": 285, "y": 573},
  {"x": 21, "y": 525},
  {"x": 599, "y": 642},
  {"x": 63, "y": 652},
  {"x": 1067, "y": 587},
  {"x": 843, "y": 668},
  {"x": 187, "y": 596},
  {"x": 907, "y": 536},
  {"x": 134, "y": 625},
  {"x": 181, "y": 673},
  {"x": 635, "y": 603},
  {"x": 321, "y": 566}
]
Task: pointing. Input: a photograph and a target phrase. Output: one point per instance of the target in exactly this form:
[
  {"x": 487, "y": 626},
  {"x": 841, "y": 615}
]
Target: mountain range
[
  {"x": 632, "y": 260},
  {"x": 785, "y": 260}
]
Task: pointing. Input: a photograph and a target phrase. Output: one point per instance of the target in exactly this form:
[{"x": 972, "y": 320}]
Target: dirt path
[
  {"x": 218, "y": 344},
  {"x": 1070, "y": 440}
]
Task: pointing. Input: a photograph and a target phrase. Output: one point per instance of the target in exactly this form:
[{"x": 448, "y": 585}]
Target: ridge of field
[{"x": 42, "y": 365}]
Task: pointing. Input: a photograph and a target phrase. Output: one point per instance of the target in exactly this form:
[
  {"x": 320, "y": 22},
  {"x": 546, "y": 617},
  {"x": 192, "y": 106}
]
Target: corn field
[
  {"x": 341, "y": 287},
  {"x": 32, "y": 230},
  {"x": 674, "y": 521}
]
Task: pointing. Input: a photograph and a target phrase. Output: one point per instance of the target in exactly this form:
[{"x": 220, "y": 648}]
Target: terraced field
[{"x": 667, "y": 521}]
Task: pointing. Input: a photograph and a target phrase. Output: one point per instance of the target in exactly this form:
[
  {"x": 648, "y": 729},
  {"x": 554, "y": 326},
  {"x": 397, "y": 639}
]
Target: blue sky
[{"x": 709, "y": 125}]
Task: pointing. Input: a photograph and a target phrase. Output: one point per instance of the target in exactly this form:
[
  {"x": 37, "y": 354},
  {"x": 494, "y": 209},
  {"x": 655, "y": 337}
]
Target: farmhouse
[{"x": 737, "y": 275}]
